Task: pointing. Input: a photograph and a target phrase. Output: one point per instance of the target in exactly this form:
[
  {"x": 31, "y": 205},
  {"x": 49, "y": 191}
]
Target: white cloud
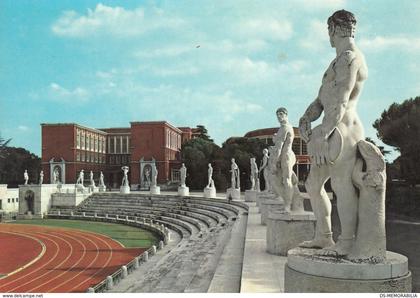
[
  {"x": 59, "y": 93},
  {"x": 316, "y": 38},
  {"x": 112, "y": 21},
  {"x": 382, "y": 43},
  {"x": 320, "y": 4},
  {"x": 266, "y": 28},
  {"x": 23, "y": 128}
]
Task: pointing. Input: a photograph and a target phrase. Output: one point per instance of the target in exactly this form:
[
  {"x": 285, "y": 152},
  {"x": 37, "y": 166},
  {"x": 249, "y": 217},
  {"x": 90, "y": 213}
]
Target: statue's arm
[
  {"x": 312, "y": 113},
  {"x": 346, "y": 74}
]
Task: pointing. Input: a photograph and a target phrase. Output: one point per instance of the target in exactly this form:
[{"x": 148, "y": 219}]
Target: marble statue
[
  {"x": 154, "y": 175},
  {"x": 265, "y": 170},
  {"x": 55, "y": 176},
  {"x": 125, "y": 170},
  {"x": 254, "y": 174},
  {"x": 183, "y": 171},
  {"x": 92, "y": 181},
  {"x": 81, "y": 177},
  {"x": 147, "y": 175},
  {"x": 235, "y": 180},
  {"x": 283, "y": 181},
  {"x": 41, "y": 177},
  {"x": 333, "y": 144},
  {"x": 26, "y": 177},
  {"x": 101, "y": 179},
  {"x": 210, "y": 176}
]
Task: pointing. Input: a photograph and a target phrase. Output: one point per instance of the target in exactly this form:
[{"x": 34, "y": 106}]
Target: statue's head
[
  {"x": 233, "y": 160},
  {"x": 265, "y": 151},
  {"x": 341, "y": 24},
  {"x": 281, "y": 114}
]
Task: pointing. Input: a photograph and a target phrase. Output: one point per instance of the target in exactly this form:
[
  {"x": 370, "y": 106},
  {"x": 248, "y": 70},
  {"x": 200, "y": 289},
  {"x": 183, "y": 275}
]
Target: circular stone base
[
  {"x": 307, "y": 271},
  {"x": 183, "y": 191},
  {"x": 251, "y": 195},
  {"x": 298, "y": 282},
  {"x": 210, "y": 192},
  {"x": 154, "y": 190},
  {"x": 125, "y": 189},
  {"x": 267, "y": 206},
  {"x": 287, "y": 230}
]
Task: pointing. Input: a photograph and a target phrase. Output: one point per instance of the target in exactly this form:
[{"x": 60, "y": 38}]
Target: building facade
[
  {"x": 67, "y": 148},
  {"x": 299, "y": 147}
]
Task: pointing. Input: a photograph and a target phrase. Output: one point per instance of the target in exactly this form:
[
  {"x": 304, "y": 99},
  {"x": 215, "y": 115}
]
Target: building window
[
  {"x": 103, "y": 145},
  {"x": 17, "y": 200},
  {"x": 82, "y": 140},
  {"x": 175, "y": 175},
  {"x": 8, "y": 200},
  {"x": 111, "y": 145},
  {"x": 124, "y": 145},
  {"x": 78, "y": 156},
  {"x": 78, "y": 139},
  {"x": 118, "y": 145}
]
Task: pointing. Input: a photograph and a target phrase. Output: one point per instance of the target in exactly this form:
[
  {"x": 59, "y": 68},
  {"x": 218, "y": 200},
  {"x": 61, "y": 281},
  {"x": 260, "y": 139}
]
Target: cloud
[
  {"x": 112, "y": 21},
  {"x": 265, "y": 28},
  {"x": 316, "y": 37},
  {"x": 320, "y": 4},
  {"x": 59, "y": 93},
  {"x": 382, "y": 43},
  {"x": 23, "y": 128}
]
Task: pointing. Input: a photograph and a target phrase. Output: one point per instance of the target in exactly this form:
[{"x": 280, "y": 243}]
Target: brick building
[
  {"x": 299, "y": 147},
  {"x": 68, "y": 148}
]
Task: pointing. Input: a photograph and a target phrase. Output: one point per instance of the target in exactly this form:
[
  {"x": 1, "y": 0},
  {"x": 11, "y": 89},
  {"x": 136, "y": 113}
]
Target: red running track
[{"x": 63, "y": 260}]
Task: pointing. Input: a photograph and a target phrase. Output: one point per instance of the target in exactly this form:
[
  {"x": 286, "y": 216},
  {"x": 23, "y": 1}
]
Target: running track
[{"x": 44, "y": 259}]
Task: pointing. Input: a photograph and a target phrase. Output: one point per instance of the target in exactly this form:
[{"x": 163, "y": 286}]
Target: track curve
[{"x": 73, "y": 260}]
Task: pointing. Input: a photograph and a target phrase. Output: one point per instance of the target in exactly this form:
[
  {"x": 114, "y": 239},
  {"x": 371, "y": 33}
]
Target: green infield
[{"x": 126, "y": 235}]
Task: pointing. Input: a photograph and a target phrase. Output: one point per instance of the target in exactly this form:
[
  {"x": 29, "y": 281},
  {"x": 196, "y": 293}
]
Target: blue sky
[{"x": 225, "y": 64}]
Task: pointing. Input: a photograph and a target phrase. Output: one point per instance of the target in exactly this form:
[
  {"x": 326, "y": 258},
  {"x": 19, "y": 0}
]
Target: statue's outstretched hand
[{"x": 305, "y": 129}]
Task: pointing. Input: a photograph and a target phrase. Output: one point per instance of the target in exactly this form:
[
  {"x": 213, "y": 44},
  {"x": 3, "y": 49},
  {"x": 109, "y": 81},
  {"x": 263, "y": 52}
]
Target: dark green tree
[
  {"x": 3, "y": 145},
  {"x": 201, "y": 132},
  {"x": 14, "y": 161},
  {"x": 242, "y": 149},
  {"x": 197, "y": 153},
  {"x": 399, "y": 127}
]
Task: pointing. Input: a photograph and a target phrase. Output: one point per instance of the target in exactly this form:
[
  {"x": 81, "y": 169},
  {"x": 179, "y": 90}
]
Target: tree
[
  {"x": 201, "y": 132},
  {"x": 3, "y": 145},
  {"x": 242, "y": 149},
  {"x": 197, "y": 153},
  {"x": 14, "y": 162},
  {"x": 399, "y": 127}
]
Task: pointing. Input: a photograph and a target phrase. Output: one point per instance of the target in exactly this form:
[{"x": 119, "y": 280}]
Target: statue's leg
[
  {"x": 321, "y": 206},
  {"x": 287, "y": 170},
  {"x": 347, "y": 205}
]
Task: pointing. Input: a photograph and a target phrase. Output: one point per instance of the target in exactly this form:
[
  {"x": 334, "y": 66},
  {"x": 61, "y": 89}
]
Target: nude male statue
[
  {"x": 254, "y": 174},
  {"x": 264, "y": 169},
  {"x": 125, "y": 170},
  {"x": 234, "y": 178},
  {"x": 332, "y": 145},
  {"x": 210, "y": 176},
  {"x": 284, "y": 155}
]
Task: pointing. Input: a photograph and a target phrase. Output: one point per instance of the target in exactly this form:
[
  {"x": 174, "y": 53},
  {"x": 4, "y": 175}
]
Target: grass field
[{"x": 126, "y": 235}]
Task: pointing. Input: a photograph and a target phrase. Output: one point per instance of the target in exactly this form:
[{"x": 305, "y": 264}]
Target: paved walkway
[{"x": 261, "y": 271}]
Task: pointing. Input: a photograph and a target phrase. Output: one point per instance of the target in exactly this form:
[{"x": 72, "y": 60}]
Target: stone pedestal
[
  {"x": 93, "y": 188},
  {"x": 307, "y": 272},
  {"x": 183, "y": 191},
  {"x": 155, "y": 190},
  {"x": 251, "y": 195},
  {"x": 267, "y": 206},
  {"x": 287, "y": 230},
  {"x": 235, "y": 193},
  {"x": 265, "y": 195},
  {"x": 125, "y": 189},
  {"x": 102, "y": 188},
  {"x": 210, "y": 192}
]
